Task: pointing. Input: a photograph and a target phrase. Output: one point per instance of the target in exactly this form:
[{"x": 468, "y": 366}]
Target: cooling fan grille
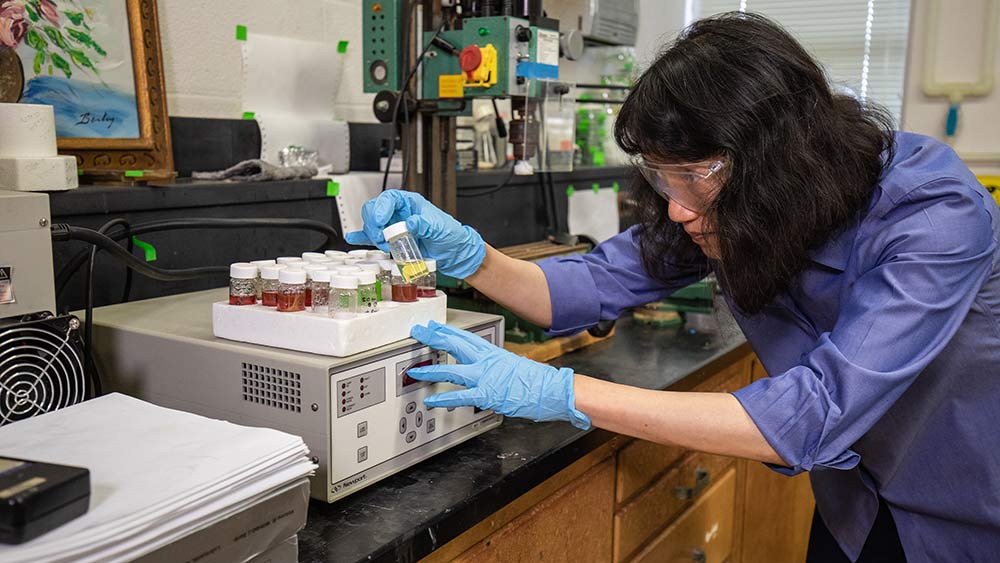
[{"x": 41, "y": 367}]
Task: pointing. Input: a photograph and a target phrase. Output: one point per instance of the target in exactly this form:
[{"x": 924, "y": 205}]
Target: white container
[{"x": 405, "y": 252}]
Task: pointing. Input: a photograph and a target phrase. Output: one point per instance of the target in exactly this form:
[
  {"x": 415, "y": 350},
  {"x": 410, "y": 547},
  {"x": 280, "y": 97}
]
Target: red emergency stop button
[{"x": 469, "y": 60}]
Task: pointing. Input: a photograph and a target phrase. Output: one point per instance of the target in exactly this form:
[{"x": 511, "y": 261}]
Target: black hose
[{"x": 88, "y": 321}]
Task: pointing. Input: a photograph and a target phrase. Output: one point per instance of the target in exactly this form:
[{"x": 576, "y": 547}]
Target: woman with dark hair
[{"x": 861, "y": 264}]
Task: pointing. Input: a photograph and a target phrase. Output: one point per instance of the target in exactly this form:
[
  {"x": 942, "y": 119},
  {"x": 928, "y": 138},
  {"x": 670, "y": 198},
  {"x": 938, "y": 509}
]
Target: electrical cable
[
  {"x": 73, "y": 264},
  {"x": 494, "y": 189},
  {"x": 402, "y": 94},
  {"x": 89, "y": 288}
]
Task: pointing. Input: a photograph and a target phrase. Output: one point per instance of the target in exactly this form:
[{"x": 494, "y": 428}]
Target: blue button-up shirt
[{"x": 885, "y": 356}]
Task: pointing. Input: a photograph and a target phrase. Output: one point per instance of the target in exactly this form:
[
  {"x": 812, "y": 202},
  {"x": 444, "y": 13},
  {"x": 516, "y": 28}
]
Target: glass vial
[
  {"x": 260, "y": 264},
  {"x": 368, "y": 293},
  {"x": 402, "y": 290},
  {"x": 310, "y": 269},
  {"x": 336, "y": 254},
  {"x": 427, "y": 285},
  {"x": 291, "y": 290},
  {"x": 313, "y": 256},
  {"x": 373, "y": 267},
  {"x": 405, "y": 252},
  {"x": 376, "y": 255},
  {"x": 287, "y": 259},
  {"x": 242, "y": 284},
  {"x": 269, "y": 285},
  {"x": 362, "y": 254},
  {"x": 319, "y": 286},
  {"x": 343, "y": 297},
  {"x": 385, "y": 279}
]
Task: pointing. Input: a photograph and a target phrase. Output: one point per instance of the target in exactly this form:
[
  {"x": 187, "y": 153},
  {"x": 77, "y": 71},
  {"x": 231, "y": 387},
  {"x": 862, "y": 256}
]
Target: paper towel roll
[{"x": 29, "y": 131}]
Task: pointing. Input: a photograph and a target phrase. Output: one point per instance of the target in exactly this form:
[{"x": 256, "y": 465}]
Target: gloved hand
[
  {"x": 496, "y": 379},
  {"x": 458, "y": 249}
]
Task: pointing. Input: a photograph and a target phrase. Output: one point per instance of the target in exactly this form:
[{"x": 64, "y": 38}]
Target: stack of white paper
[{"x": 157, "y": 475}]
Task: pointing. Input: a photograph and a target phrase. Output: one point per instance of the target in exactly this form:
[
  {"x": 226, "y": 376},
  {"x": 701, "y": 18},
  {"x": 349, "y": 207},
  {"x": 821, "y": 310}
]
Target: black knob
[{"x": 522, "y": 34}]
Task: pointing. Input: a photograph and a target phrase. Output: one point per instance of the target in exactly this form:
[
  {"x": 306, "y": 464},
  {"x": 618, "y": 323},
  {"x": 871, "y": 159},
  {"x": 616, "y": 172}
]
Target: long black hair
[{"x": 802, "y": 159}]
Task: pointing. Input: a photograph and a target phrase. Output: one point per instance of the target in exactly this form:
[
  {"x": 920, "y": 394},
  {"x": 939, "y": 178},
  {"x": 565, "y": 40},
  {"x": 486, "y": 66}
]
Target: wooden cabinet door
[
  {"x": 777, "y": 511},
  {"x": 572, "y": 525}
]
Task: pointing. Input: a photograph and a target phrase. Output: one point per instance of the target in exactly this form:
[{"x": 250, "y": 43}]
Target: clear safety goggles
[{"x": 685, "y": 184}]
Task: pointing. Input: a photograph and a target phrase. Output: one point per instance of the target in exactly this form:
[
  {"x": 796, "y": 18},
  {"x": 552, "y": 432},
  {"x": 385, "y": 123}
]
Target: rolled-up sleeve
[
  {"x": 587, "y": 288},
  {"x": 928, "y": 259}
]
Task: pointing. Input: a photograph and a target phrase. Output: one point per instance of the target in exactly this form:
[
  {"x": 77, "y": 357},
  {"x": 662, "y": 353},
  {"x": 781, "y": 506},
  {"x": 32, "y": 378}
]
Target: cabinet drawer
[
  {"x": 704, "y": 533},
  {"x": 640, "y": 462},
  {"x": 667, "y": 497}
]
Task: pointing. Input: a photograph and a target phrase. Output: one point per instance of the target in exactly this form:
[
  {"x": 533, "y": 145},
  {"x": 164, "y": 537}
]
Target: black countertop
[{"x": 408, "y": 515}]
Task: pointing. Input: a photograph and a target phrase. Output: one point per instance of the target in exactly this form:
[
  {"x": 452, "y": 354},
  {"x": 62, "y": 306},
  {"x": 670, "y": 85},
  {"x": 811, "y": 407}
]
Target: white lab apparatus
[{"x": 361, "y": 416}]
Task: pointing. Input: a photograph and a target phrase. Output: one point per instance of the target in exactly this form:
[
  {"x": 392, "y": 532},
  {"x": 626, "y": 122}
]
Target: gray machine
[
  {"x": 362, "y": 417},
  {"x": 26, "y": 284}
]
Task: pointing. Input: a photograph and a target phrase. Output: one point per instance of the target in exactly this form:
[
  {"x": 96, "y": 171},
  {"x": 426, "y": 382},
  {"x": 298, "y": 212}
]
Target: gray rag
[{"x": 256, "y": 170}]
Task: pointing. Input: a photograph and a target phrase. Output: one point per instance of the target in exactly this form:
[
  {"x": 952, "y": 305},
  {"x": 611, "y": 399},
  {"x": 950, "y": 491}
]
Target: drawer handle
[
  {"x": 701, "y": 480},
  {"x": 698, "y": 555}
]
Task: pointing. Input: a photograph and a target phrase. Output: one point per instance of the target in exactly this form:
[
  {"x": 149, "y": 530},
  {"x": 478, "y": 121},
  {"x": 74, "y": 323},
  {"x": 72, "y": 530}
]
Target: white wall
[
  {"x": 958, "y": 57},
  {"x": 203, "y": 63}
]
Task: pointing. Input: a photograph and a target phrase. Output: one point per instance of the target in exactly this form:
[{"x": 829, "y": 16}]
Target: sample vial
[
  {"x": 427, "y": 285},
  {"x": 269, "y": 284},
  {"x": 385, "y": 278},
  {"x": 336, "y": 254},
  {"x": 260, "y": 264},
  {"x": 242, "y": 284},
  {"x": 347, "y": 270},
  {"x": 368, "y": 293},
  {"x": 376, "y": 255},
  {"x": 343, "y": 297},
  {"x": 362, "y": 254},
  {"x": 403, "y": 291},
  {"x": 297, "y": 263},
  {"x": 291, "y": 290},
  {"x": 353, "y": 260},
  {"x": 373, "y": 267},
  {"x": 287, "y": 259},
  {"x": 405, "y": 253},
  {"x": 310, "y": 269},
  {"x": 319, "y": 286},
  {"x": 313, "y": 256},
  {"x": 332, "y": 264}
]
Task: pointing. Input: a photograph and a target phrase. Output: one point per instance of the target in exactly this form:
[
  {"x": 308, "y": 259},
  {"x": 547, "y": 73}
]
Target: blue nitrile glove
[
  {"x": 458, "y": 249},
  {"x": 496, "y": 379}
]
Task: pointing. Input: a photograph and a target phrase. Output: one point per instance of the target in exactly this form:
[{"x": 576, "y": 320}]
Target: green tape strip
[
  {"x": 149, "y": 249},
  {"x": 570, "y": 190},
  {"x": 596, "y": 187},
  {"x": 241, "y": 33},
  {"x": 133, "y": 173},
  {"x": 615, "y": 187},
  {"x": 248, "y": 115},
  {"x": 342, "y": 47},
  {"x": 332, "y": 188}
]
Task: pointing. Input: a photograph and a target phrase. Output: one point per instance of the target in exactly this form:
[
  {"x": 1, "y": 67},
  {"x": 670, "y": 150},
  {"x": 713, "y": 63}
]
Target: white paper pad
[
  {"x": 354, "y": 190},
  {"x": 156, "y": 474},
  {"x": 594, "y": 214}
]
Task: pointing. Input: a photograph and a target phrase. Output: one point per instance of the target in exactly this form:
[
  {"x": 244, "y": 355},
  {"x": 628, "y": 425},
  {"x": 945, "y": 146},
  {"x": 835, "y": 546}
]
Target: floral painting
[{"x": 77, "y": 57}]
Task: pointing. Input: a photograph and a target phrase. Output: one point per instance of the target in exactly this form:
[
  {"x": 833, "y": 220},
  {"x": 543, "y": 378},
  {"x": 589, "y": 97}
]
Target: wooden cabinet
[{"x": 633, "y": 501}]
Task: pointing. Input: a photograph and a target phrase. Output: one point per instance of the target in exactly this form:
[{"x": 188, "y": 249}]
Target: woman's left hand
[{"x": 496, "y": 379}]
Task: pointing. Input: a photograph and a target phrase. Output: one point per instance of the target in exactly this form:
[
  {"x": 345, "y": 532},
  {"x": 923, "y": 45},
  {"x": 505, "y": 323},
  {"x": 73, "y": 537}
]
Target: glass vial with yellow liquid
[{"x": 405, "y": 252}]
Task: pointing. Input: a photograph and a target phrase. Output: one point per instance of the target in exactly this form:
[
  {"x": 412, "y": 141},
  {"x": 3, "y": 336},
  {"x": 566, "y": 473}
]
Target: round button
[{"x": 469, "y": 59}]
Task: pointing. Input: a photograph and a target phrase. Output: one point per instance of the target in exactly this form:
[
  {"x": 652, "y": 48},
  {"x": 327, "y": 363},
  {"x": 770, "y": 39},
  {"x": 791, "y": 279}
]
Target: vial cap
[
  {"x": 394, "y": 230},
  {"x": 321, "y": 275},
  {"x": 287, "y": 259},
  {"x": 395, "y": 271},
  {"x": 352, "y": 260},
  {"x": 344, "y": 282},
  {"x": 386, "y": 265},
  {"x": 358, "y": 254},
  {"x": 271, "y": 272},
  {"x": 377, "y": 255},
  {"x": 369, "y": 267},
  {"x": 288, "y": 275},
  {"x": 347, "y": 269},
  {"x": 311, "y": 269},
  {"x": 242, "y": 270},
  {"x": 335, "y": 254},
  {"x": 366, "y": 278},
  {"x": 313, "y": 256},
  {"x": 260, "y": 263},
  {"x": 432, "y": 264}
]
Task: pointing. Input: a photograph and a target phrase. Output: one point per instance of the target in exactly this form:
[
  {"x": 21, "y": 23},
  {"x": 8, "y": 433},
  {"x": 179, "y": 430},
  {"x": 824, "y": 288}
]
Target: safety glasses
[{"x": 685, "y": 184}]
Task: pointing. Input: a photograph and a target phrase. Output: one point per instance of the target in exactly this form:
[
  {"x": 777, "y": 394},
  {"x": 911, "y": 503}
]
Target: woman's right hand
[{"x": 458, "y": 248}]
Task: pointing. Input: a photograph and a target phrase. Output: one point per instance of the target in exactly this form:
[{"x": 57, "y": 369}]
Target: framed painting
[{"x": 98, "y": 63}]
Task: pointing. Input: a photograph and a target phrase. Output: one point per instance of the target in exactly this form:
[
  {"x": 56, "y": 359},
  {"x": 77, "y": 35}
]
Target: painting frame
[{"x": 150, "y": 156}]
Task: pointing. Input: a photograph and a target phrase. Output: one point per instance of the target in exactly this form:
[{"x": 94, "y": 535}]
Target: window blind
[{"x": 861, "y": 43}]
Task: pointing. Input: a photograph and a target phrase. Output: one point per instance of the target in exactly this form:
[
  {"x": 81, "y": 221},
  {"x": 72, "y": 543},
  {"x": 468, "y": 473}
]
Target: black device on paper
[{"x": 36, "y": 497}]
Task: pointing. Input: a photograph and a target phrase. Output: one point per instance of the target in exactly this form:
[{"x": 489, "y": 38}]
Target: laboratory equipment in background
[
  {"x": 611, "y": 22},
  {"x": 362, "y": 416},
  {"x": 41, "y": 355}
]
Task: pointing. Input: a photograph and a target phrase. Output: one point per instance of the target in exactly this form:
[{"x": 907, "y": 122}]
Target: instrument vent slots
[{"x": 272, "y": 387}]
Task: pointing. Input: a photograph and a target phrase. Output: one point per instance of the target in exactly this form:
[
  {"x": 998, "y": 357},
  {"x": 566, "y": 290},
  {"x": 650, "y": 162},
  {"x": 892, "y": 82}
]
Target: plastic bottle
[
  {"x": 242, "y": 284},
  {"x": 291, "y": 290},
  {"x": 343, "y": 297},
  {"x": 405, "y": 252},
  {"x": 269, "y": 284},
  {"x": 368, "y": 293},
  {"x": 427, "y": 285}
]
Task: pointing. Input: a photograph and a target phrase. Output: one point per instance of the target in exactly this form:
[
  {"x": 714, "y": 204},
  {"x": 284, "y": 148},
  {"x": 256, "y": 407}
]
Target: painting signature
[{"x": 87, "y": 118}]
